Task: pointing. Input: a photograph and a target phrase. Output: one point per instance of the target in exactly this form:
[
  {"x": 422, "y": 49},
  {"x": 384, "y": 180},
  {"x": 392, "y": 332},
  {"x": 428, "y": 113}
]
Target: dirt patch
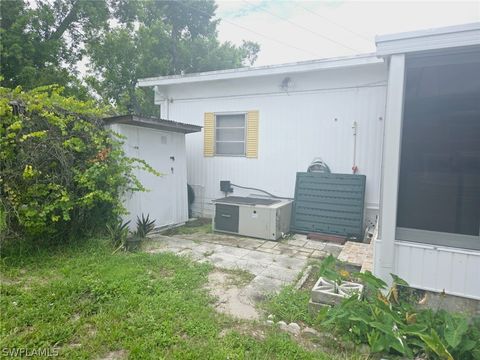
[
  {"x": 116, "y": 355},
  {"x": 90, "y": 330},
  {"x": 228, "y": 288},
  {"x": 238, "y": 277},
  {"x": 7, "y": 281},
  {"x": 311, "y": 280}
]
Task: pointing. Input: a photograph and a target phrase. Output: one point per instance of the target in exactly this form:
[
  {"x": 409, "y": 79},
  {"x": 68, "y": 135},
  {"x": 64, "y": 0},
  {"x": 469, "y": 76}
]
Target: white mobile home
[
  {"x": 284, "y": 117},
  {"x": 407, "y": 117}
]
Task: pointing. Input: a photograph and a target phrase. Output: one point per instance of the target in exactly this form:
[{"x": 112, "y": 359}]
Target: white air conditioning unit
[{"x": 255, "y": 217}]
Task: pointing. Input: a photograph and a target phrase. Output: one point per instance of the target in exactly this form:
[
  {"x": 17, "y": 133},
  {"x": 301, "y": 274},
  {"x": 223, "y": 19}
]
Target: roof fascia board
[
  {"x": 431, "y": 39},
  {"x": 332, "y": 63},
  {"x": 159, "y": 124}
]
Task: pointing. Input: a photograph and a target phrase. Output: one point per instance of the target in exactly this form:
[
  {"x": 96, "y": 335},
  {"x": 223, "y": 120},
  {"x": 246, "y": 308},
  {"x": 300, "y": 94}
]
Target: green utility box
[{"x": 329, "y": 204}]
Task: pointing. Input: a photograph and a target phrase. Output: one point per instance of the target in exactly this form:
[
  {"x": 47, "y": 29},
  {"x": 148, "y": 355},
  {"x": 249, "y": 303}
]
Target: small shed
[{"x": 161, "y": 143}]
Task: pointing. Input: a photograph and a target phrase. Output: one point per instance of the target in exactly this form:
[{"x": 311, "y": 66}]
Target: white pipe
[{"x": 354, "y": 166}]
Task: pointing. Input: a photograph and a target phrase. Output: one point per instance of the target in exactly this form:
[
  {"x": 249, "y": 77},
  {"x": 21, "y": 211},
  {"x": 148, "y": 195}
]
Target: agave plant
[
  {"x": 144, "y": 226},
  {"x": 118, "y": 232}
]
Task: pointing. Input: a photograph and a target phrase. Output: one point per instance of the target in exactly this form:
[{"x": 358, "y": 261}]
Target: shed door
[{"x": 156, "y": 148}]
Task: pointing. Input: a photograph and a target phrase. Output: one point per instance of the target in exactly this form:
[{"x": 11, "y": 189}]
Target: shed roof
[
  {"x": 296, "y": 67},
  {"x": 153, "y": 123}
]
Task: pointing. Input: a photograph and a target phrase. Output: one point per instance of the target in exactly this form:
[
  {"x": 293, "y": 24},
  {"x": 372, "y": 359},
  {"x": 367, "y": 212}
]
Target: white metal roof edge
[
  {"x": 296, "y": 67},
  {"x": 429, "y": 39},
  {"x": 428, "y": 32}
]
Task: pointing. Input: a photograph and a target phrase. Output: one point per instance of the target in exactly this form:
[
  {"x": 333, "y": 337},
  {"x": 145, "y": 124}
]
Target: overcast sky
[{"x": 290, "y": 31}]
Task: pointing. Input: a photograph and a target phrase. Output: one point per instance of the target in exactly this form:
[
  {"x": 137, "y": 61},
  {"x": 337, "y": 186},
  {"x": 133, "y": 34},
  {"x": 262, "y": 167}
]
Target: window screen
[
  {"x": 439, "y": 184},
  {"x": 230, "y": 134}
]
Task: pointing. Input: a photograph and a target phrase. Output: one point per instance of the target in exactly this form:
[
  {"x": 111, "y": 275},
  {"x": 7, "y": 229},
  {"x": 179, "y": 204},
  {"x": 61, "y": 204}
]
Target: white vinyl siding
[
  {"x": 292, "y": 129},
  {"x": 230, "y": 134}
]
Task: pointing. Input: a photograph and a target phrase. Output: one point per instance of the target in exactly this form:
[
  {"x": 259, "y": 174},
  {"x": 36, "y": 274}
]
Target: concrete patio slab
[
  {"x": 314, "y": 245},
  {"x": 254, "y": 268},
  {"x": 333, "y": 249},
  {"x": 272, "y": 264},
  {"x": 290, "y": 262},
  {"x": 286, "y": 275},
  {"x": 297, "y": 242},
  {"x": 268, "y": 245},
  {"x": 261, "y": 286},
  {"x": 231, "y": 299}
]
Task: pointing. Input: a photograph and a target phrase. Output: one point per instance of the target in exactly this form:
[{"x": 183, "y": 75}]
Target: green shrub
[
  {"x": 389, "y": 323},
  {"x": 386, "y": 319},
  {"x": 62, "y": 173}
]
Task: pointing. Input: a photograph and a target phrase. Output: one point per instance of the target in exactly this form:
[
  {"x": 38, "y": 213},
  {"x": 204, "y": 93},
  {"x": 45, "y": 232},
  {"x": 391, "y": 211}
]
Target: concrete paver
[
  {"x": 297, "y": 242},
  {"x": 315, "y": 245},
  {"x": 268, "y": 245}
]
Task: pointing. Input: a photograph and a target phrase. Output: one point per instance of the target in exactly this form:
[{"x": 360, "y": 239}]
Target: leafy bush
[
  {"x": 388, "y": 323},
  {"x": 62, "y": 173}
]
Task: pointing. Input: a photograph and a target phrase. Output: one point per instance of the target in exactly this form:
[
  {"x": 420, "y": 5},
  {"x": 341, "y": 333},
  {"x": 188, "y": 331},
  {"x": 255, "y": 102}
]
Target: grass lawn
[{"x": 89, "y": 303}]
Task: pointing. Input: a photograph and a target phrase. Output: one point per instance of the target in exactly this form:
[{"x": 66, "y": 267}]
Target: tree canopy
[{"x": 100, "y": 48}]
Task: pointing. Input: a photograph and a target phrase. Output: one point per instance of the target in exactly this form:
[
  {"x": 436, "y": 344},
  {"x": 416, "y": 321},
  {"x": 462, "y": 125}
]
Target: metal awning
[{"x": 153, "y": 123}]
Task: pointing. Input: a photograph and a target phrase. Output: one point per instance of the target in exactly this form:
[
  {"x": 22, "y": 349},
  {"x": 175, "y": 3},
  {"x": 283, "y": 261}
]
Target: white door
[
  {"x": 157, "y": 148},
  {"x": 161, "y": 151}
]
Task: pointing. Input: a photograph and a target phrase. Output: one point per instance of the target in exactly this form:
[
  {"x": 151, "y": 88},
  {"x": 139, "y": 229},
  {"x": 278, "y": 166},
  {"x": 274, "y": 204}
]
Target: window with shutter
[
  {"x": 231, "y": 134},
  {"x": 208, "y": 134}
]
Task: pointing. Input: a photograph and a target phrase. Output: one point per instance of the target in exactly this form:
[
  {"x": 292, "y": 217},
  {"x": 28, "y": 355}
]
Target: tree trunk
[
  {"x": 174, "y": 38},
  {"x": 66, "y": 22}
]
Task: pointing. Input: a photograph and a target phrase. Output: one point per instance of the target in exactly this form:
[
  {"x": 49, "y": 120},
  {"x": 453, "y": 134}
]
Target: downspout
[
  {"x": 162, "y": 99},
  {"x": 167, "y": 108}
]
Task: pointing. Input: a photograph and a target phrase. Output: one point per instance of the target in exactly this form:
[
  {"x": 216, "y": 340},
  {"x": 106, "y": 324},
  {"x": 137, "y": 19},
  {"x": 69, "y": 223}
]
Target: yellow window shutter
[
  {"x": 209, "y": 134},
  {"x": 252, "y": 134}
]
